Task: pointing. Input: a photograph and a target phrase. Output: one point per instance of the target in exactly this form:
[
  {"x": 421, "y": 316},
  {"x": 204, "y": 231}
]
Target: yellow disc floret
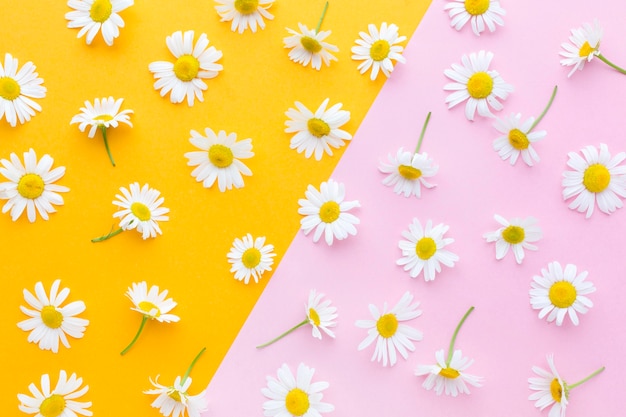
[
  {"x": 186, "y": 67},
  {"x": 51, "y": 317},
  {"x": 408, "y": 172},
  {"x": 480, "y": 85},
  {"x": 221, "y": 156},
  {"x": 476, "y": 7},
  {"x": 449, "y": 373},
  {"x": 101, "y": 10},
  {"x": 297, "y": 402},
  {"x": 387, "y": 325},
  {"x": 9, "y": 88},
  {"x": 380, "y": 50},
  {"x": 147, "y": 307},
  {"x": 518, "y": 139},
  {"x": 310, "y": 44},
  {"x": 329, "y": 211},
  {"x": 175, "y": 395},
  {"x": 562, "y": 294},
  {"x": 30, "y": 186},
  {"x": 596, "y": 178},
  {"x": 251, "y": 258},
  {"x": 586, "y": 50},
  {"x": 52, "y": 406},
  {"x": 314, "y": 317},
  {"x": 141, "y": 211},
  {"x": 556, "y": 390},
  {"x": 246, "y": 6},
  {"x": 425, "y": 248},
  {"x": 513, "y": 234},
  {"x": 318, "y": 127}
]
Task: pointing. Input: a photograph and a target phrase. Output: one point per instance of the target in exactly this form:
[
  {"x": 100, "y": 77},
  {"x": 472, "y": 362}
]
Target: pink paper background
[{"x": 503, "y": 335}]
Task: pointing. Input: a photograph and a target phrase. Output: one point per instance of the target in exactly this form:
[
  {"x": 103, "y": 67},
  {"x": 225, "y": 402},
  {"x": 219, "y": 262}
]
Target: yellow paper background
[{"x": 249, "y": 97}]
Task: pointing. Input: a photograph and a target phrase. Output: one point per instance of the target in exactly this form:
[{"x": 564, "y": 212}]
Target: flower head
[
  {"x": 244, "y": 13},
  {"x": 17, "y": 89},
  {"x": 250, "y": 257},
  {"x": 194, "y": 63},
  {"x": 308, "y": 46},
  {"x": 516, "y": 234},
  {"x": 140, "y": 209},
  {"x": 478, "y": 12},
  {"x": 449, "y": 378},
  {"x": 517, "y": 139},
  {"x": 585, "y": 44},
  {"x": 175, "y": 400},
  {"x": 93, "y": 16},
  {"x": 408, "y": 172},
  {"x": 152, "y": 303},
  {"x": 320, "y": 315},
  {"x": 61, "y": 401},
  {"x": 378, "y": 48}
]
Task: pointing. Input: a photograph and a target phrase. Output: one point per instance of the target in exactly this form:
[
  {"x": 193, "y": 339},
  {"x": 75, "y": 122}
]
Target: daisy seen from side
[
  {"x": 516, "y": 234},
  {"x": 250, "y": 257},
  {"x": 60, "y": 401},
  {"x": 194, "y": 64},
  {"x": 479, "y": 13},
  {"x": 377, "y": 49},
  {"x": 18, "y": 88},
  {"x": 244, "y": 14},
  {"x": 93, "y": 16}
]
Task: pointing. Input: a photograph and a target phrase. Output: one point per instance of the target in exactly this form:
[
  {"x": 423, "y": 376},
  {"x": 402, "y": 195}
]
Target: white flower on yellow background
[
  {"x": 49, "y": 321},
  {"x": 452, "y": 378},
  {"x": 308, "y": 46},
  {"x": 316, "y": 133},
  {"x": 408, "y": 172},
  {"x": 194, "y": 63},
  {"x": 388, "y": 331},
  {"x": 58, "y": 402},
  {"x": 244, "y": 13},
  {"x": 250, "y": 257},
  {"x": 584, "y": 46},
  {"x": 378, "y": 49},
  {"x": 597, "y": 178},
  {"x": 219, "y": 159},
  {"x": 516, "y": 234},
  {"x": 175, "y": 401},
  {"x": 140, "y": 209},
  {"x": 17, "y": 89},
  {"x": 93, "y": 16},
  {"x": 31, "y": 186},
  {"x": 476, "y": 83},
  {"x": 479, "y": 13}
]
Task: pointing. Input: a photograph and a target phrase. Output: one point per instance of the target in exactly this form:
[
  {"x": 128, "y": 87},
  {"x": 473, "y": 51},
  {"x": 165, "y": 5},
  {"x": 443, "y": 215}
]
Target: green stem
[
  {"x": 103, "y": 129},
  {"x": 319, "y": 24},
  {"x": 276, "y": 339},
  {"x": 582, "y": 381},
  {"x": 143, "y": 323},
  {"x": 419, "y": 142},
  {"x": 456, "y": 332},
  {"x": 610, "y": 64},
  {"x": 182, "y": 382},
  {"x": 543, "y": 113},
  {"x": 107, "y": 236}
]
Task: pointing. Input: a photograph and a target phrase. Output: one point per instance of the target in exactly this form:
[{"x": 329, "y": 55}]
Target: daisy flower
[
  {"x": 327, "y": 212},
  {"x": 598, "y": 178},
  {"x": 184, "y": 77},
  {"x": 102, "y": 115},
  {"x": 219, "y": 159},
  {"x": 152, "y": 304},
  {"x": 388, "y": 331},
  {"x": 92, "y": 16},
  {"x": 17, "y": 88},
  {"x": 377, "y": 49},
  {"x": 31, "y": 186},
  {"x": 478, "y": 12},
  {"x": 244, "y": 13},
  {"x": 474, "y": 82},
  {"x": 424, "y": 249},
  {"x": 49, "y": 322},
  {"x": 290, "y": 395},
  {"x": 250, "y": 258},
  {"x": 517, "y": 234},
  {"x": 61, "y": 401},
  {"x": 559, "y": 291}
]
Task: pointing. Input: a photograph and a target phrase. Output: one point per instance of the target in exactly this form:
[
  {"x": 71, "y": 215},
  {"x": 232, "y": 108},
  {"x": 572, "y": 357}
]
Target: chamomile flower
[
  {"x": 378, "y": 48},
  {"x": 60, "y": 401},
  {"x": 219, "y": 159},
  {"x": 50, "y": 322},
  {"x": 316, "y": 133},
  {"x": 596, "y": 179},
  {"x": 559, "y": 292},
  {"x": 308, "y": 46},
  {"x": 516, "y": 234},
  {"x": 517, "y": 139},
  {"x": 93, "y": 16},
  {"x": 17, "y": 89},
  {"x": 478, "y": 12},
  {"x": 474, "y": 82},
  {"x": 298, "y": 395},
  {"x": 584, "y": 46},
  {"x": 31, "y": 186},
  {"x": 389, "y": 332},
  {"x": 194, "y": 63},
  {"x": 244, "y": 13},
  {"x": 327, "y": 212},
  {"x": 250, "y": 257},
  {"x": 424, "y": 249}
]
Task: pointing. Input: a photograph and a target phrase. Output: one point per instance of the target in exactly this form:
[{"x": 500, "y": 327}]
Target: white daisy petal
[
  {"x": 585, "y": 44},
  {"x": 93, "y": 16},
  {"x": 244, "y": 14},
  {"x": 407, "y": 172},
  {"x": 321, "y": 315},
  {"x": 175, "y": 400},
  {"x": 448, "y": 378}
]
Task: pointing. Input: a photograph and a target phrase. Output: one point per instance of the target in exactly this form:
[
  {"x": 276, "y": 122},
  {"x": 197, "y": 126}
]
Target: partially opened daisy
[
  {"x": 378, "y": 48},
  {"x": 478, "y": 12},
  {"x": 17, "y": 89},
  {"x": 389, "y": 332},
  {"x": 244, "y": 13},
  {"x": 49, "y": 321},
  {"x": 327, "y": 212},
  {"x": 298, "y": 395},
  {"x": 476, "y": 83},
  {"x": 93, "y": 16},
  {"x": 219, "y": 159},
  {"x": 319, "y": 314},
  {"x": 597, "y": 178},
  {"x": 250, "y": 257},
  {"x": 58, "y": 402},
  {"x": 424, "y": 249},
  {"x": 516, "y": 234},
  {"x": 561, "y": 291},
  {"x": 316, "y": 133},
  {"x": 31, "y": 186},
  {"x": 551, "y": 389},
  {"x": 194, "y": 63},
  {"x": 448, "y": 374},
  {"x": 152, "y": 304}
]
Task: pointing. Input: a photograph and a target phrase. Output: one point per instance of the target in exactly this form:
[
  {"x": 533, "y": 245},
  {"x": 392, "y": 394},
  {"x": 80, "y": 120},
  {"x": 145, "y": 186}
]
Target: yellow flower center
[
  {"x": 297, "y": 402},
  {"x": 30, "y": 186},
  {"x": 562, "y": 294},
  {"x": 513, "y": 234},
  {"x": 585, "y": 50},
  {"x": 556, "y": 390},
  {"x": 480, "y": 85},
  {"x": 220, "y": 155},
  {"x": 380, "y": 50},
  {"x": 387, "y": 325},
  {"x": 408, "y": 172},
  {"x": 329, "y": 212},
  {"x": 476, "y": 7},
  {"x": 175, "y": 395},
  {"x": 103, "y": 118},
  {"x": 246, "y": 6},
  {"x": 186, "y": 67},
  {"x": 147, "y": 307},
  {"x": 52, "y": 406},
  {"x": 518, "y": 139},
  {"x": 449, "y": 373},
  {"x": 251, "y": 258},
  {"x": 141, "y": 211},
  {"x": 101, "y": 10},
  {"x": 596, "y": 178},
  {"x": 318, "y": 127},
  {"x": 314, "y": 317},
  {"x": 310, "y": 44},
  {"x": 51, "y": 317},
  {"x": 9, "y": 88},
  {"x": 425, "y": 248}
]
